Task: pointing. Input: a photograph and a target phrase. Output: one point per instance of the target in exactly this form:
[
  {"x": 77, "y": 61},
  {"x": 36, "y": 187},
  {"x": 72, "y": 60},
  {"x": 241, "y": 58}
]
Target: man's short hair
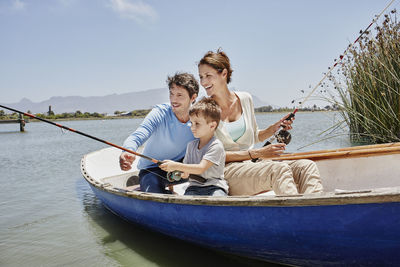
[
  {"x": 208, "y": 108},
  {"x": 185, "y": 80}
]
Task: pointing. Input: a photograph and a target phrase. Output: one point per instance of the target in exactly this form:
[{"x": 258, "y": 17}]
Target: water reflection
[{"x": 136, "y": 246}]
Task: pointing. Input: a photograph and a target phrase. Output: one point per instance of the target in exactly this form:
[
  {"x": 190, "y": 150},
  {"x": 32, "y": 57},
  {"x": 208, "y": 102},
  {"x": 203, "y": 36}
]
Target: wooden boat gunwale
[{"x": 348, "y": 152}]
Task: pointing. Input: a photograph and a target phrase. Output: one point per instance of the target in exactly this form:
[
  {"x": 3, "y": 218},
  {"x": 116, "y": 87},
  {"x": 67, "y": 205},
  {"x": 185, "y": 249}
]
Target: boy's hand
[
  {"x": 125, "y": 161},
  {"x": 169, "y": 166}
]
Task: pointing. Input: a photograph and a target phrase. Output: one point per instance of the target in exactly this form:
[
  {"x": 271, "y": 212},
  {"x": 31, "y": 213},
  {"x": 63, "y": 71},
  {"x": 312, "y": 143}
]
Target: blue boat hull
[{"x": 323, "y": 235}]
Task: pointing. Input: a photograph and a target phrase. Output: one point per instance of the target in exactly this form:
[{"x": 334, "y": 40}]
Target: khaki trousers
[{"x": 284, "y": 177}]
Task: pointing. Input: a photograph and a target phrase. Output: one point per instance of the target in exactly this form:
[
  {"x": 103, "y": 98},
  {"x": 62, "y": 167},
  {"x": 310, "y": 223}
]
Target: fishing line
[{"x": 156, "y": 174}]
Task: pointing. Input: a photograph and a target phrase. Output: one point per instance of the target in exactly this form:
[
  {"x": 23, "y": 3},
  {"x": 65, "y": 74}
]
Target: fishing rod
[
  {"x": 171, "y": 177},
  {"x": 282, "y": 135}
]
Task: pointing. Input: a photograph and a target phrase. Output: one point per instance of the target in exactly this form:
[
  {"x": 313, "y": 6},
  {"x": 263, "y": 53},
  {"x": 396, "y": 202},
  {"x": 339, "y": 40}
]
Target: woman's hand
[
  {"x": 269, "y": 151},
  {"x": 287, "y": 124},
  {"x": 125, "y": 161},
  {"x": 169, "y": 166},
  {"x": 273, "y": 128}
]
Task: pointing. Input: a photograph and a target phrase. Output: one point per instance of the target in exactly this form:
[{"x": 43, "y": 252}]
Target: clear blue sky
[{"x": 100, "y": 47}]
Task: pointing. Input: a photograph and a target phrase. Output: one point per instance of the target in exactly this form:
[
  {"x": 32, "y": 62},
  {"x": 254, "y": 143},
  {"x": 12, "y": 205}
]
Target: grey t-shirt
[{"x": 214, "y": 152}]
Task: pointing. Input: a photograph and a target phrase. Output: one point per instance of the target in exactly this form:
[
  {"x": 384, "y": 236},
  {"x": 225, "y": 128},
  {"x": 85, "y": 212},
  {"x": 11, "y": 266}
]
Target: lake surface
[{"x": 50, "y": 216}]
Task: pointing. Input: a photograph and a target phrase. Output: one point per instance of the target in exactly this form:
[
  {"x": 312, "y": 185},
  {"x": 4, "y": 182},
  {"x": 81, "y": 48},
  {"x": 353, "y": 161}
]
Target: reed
[{"x": 367, "y": 85}]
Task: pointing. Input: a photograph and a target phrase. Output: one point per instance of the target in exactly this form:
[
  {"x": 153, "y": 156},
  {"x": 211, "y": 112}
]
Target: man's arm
[{"x": 140, "y": 136}]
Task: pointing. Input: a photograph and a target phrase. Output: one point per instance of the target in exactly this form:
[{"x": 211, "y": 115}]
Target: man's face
[{"x": 179, "y": 99}]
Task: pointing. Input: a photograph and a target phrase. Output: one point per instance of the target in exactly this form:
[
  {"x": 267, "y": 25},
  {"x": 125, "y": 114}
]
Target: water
[{"x": 50, "y": 217}]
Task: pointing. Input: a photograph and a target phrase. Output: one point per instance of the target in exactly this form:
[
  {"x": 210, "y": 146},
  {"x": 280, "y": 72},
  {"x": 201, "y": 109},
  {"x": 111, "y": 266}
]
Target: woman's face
[{"x": 211, "y": 79}]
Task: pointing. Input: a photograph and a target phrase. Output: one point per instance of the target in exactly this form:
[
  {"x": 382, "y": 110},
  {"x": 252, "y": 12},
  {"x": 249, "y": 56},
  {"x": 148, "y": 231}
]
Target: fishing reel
[
  {"x": 174, "y": 176},
  {"x": 281, "y": 136}
]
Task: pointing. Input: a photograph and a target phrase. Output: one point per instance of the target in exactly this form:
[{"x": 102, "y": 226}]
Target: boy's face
[{"x": 200, "y": 127}]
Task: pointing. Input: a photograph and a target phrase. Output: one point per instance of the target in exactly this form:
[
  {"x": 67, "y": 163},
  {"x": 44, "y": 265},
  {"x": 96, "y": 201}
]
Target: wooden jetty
[{"x": 20, "y": 120}]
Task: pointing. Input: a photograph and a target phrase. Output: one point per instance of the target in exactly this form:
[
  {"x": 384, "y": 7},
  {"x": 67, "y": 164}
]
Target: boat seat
[{"x": 178, "y": 189}]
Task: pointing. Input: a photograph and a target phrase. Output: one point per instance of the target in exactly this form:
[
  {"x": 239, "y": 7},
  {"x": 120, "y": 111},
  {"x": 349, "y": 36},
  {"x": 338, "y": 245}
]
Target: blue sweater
[{"x": 166, "y": 136}]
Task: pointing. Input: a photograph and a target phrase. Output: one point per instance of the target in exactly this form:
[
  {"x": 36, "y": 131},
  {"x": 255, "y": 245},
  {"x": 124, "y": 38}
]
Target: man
[{"x": 167, "y": 131}]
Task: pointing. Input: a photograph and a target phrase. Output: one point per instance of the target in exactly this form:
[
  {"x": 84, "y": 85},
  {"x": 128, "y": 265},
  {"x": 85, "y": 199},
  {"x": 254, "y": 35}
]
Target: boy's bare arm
[{"x": 170, "y": 166}]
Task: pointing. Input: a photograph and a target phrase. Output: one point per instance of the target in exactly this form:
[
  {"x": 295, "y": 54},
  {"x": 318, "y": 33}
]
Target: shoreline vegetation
[
  {"x": 141, "y": 113},
  {"x": 367, "y": 85}
]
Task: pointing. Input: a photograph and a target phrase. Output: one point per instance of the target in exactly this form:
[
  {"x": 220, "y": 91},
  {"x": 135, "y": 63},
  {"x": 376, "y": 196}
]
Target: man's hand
[{"x": 125, "y": 161}]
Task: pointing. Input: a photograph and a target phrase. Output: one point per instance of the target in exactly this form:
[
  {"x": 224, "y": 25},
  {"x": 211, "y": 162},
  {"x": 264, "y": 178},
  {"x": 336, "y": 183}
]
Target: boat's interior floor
[{"x": 132, "y": 184}]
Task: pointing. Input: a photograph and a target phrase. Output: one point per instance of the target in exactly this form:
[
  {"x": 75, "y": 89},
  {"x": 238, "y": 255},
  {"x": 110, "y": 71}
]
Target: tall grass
[{"x": 368, "y": 85}]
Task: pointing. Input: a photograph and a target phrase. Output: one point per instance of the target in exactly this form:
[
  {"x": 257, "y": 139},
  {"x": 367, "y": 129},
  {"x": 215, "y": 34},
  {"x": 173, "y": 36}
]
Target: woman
[{"x": 238, "y": 132}]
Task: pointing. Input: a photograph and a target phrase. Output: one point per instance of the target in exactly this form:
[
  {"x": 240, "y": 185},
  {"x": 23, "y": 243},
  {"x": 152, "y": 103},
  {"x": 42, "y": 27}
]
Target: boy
[{"x": 205, "y": 156}]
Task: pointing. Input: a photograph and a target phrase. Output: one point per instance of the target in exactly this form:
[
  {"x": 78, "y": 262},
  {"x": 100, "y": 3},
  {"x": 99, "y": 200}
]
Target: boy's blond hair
[{"x": 208, "y": 108}]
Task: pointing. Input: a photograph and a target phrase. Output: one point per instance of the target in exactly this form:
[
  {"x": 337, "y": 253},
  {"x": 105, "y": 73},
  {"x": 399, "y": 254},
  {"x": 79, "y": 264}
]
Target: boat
[{"x": 356, "y": 221}]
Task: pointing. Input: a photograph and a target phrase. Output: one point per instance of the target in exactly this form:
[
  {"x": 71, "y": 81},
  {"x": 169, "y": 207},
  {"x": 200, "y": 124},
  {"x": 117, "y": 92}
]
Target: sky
[{"x": 101, "y": 47}]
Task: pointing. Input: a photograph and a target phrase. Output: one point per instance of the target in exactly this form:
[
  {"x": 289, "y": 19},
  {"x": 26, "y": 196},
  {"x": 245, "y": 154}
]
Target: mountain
[
  {"x": 102, "y": 104},
  {"x": 259, "y": 103}
]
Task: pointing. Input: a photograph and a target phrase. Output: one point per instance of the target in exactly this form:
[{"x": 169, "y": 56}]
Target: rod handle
[{"x": 289, "y": 118}]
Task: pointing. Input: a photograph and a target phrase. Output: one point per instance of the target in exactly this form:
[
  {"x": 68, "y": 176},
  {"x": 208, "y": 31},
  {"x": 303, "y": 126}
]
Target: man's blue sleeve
[{"x": 149, "y": 125}]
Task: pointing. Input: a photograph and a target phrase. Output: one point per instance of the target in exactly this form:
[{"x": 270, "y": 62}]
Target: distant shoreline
[
  {"x": 28, "y": 120},
  {"x": 300, "y": 111}
]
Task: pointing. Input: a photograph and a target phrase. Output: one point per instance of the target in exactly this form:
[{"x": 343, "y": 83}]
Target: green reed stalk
[{"x": 369, "y": 98}]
